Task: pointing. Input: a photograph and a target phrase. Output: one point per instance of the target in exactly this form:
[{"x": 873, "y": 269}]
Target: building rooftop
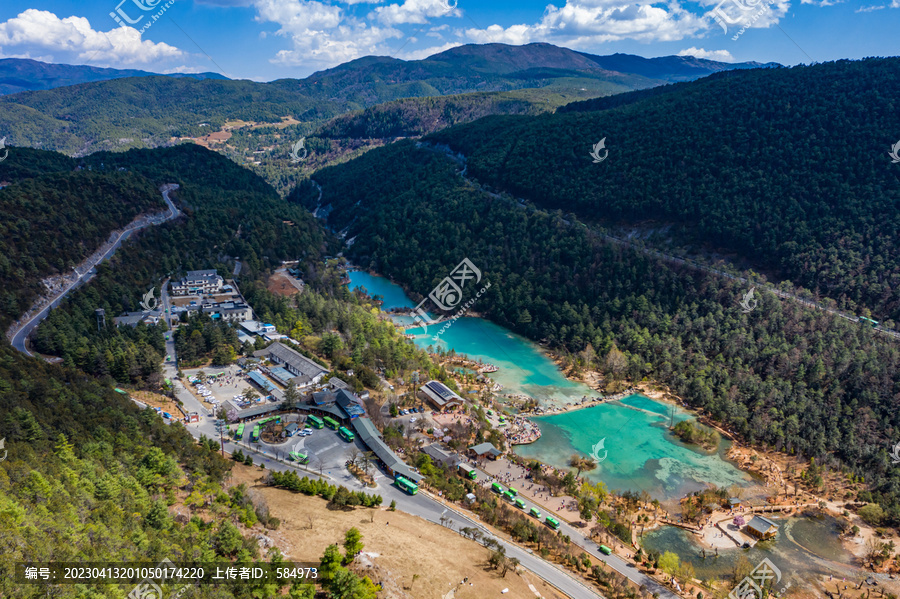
[
  {"x": 441, "y": 454},
  {"x": 133, "y": 318},
  {"x": 262, "y": 381},
  {"x": 349, "y": 403},
  {"x": 485, "y": 448},
  {"x": 201, "y": 274},
  {"x": 441, "y": 395},
  {"x": 372, "y": 438},
  {"x": 281, "y": 375},
  {"x": 295, "y": 360},
  {"x": 254, "y": 411},
  {"x": 761, "y": 525}
]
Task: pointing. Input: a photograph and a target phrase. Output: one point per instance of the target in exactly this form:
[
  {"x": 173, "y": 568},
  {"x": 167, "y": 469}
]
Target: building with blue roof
[{"x": 261, "y": 381}]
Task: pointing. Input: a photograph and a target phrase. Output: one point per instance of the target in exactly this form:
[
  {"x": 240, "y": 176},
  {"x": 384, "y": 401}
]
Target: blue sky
[{"x": 271, "y": 39}]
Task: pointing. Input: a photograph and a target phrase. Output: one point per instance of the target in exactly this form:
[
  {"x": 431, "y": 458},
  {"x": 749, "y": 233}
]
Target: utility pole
[{"x": 220, "y": 427}]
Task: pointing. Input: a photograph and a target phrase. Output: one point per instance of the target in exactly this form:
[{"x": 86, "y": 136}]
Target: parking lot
[
  {"x": 327, "y": 451},
  {"x": 223, "y": 388}
]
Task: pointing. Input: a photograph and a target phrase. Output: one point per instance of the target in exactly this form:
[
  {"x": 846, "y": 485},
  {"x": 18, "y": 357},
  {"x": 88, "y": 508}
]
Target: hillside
[
  {"x": 229, "y": 211},
  {"x": 786, "y": 170},
  {"x": 49, "y": 222},
  {"x": 414, "y": 117},
  {"x": 21, "y": 74},
  {"x": 267, "y": 149},
  {"x": 82, "y": 463},
  {"x": 146, "y": 112},
  {"x": 783, "y": 376},
  {"x": 150, "y": 111}
]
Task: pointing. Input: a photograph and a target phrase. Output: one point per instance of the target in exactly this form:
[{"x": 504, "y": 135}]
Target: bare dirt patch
[
  {"x": 281, "y": 284},
  {"x": 397, "y": 546},
  {"x": 156, "y": 400}
]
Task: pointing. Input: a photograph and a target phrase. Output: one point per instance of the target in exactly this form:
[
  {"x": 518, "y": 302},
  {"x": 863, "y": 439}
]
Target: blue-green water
[
  {"x": 523, "y": 368},
  {"x": 394, "y": 296},
  {"x": 804, "y": 548},
  {"x": 640, "y": 452},
  {"x": 643, "y": 455}
]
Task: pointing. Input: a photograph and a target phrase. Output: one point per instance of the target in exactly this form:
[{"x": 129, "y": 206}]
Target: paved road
[
  {"x": 421, "y": 505},
  {"x": 19, "y": 339},
  {"x": 577, "y": 536}
]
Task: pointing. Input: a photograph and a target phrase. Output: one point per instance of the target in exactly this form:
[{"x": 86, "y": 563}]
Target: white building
[
  {"x": 198, "y": 282},
  {"x": 306, "y": 372}
]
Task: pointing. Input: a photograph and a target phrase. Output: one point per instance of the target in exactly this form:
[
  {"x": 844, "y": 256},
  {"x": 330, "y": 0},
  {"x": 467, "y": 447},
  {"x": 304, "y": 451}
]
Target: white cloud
[
  {"x": 415, "y": 11},
  {"x": 426, "y": 52},
  {"x": 893, "y": 4},
  {"x": 583, "y": 24},
  {"x": 183, "y": 70},
  {"x": 720, "y": 55},
  {"x": 42, "y": 35},
  {"x": 760, "y": 14},
  {"x": 322, "y": 35}
]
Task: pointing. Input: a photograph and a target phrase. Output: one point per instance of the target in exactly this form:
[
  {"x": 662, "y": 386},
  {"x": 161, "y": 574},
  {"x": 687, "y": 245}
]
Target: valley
[{"x": 596, "y": 305}]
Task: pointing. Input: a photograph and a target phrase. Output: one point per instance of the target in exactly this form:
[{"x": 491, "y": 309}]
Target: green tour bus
[
  {"x": 346, "y": 434},
  {"x": 552, "y": 522},
  {"x": 497, "y": 488},
  {"x": 467, "y": 471},
  {"x": 605, "y": 550},
  {"x": 406, "y": 484},
  {"x": 301, "y": 458},
  {"x": 513, "y": 491},
  {"x": 254, "y": 436},
  {"x": 520, "y": 504},
  {"x": 536, "y": 513},
  {"x": 330, "y": 422},
  {"x": 508, "y": 495},
  {"x": 314, "y": 421},
  {"x": 240, "y": 432}
]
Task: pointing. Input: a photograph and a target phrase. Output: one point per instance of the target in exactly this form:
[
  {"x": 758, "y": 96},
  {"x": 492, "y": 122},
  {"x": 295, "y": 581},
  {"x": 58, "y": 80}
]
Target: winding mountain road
[{"x": 20, "y": 336}]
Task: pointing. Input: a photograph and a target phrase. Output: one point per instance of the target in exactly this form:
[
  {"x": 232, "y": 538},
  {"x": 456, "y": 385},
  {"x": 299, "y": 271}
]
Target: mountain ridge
[{"x": 24, "y": 74}]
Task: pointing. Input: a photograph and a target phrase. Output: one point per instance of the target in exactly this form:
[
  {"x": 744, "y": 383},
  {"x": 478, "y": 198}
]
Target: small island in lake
[{"x": 696, "y": 434}]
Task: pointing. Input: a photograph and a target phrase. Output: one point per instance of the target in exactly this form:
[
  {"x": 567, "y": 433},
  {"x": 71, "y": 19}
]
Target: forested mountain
[
  {"x": 87, "y": 477},
  {"x": 786, "y": 168},
  {"x": 229, "y": 212},
  {"x": 22, "y": 74},
  {"x": 414, "y": 117},
  {"x": 498, "y": 67},
  {"x": 51, "y": 222},
  {"x": 351, "y": 134},
  {"x": 783, "y": 375},
  {"x": 147, "y": 112},
  {"x": 151, "y": 111}
]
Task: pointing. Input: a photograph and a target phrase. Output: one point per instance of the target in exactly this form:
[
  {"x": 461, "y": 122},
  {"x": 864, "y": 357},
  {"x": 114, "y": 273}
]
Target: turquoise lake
[
  {"x": 523, "y": 368},
  {"x": 642, "y": 454}
]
